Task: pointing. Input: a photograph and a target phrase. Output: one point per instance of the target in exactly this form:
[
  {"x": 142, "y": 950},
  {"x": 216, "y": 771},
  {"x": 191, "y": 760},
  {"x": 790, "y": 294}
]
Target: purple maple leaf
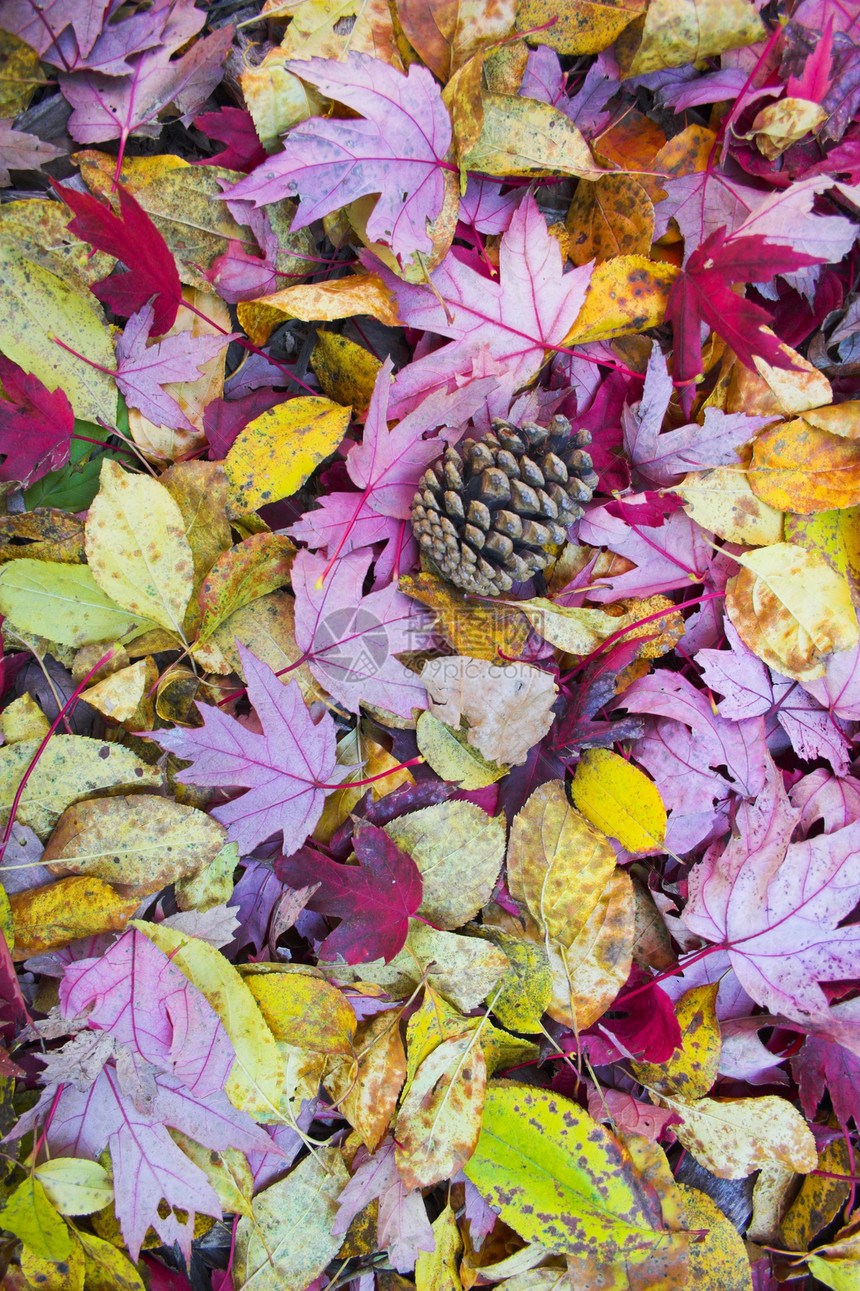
[
  {"x": 135, "y": 994},
  {"x": 662, "y": 459},
  {"x": 531, "y": 307},
  {"x": 351, "y": 639},
  {"x": 115, "y": 107},
  {"x": 36, "y": 425},
  {"x": 396, "y": 150},
  {"x": 373, "y": 899},
  {"x": 287, "y": 770},
  {"x": 144, "y": 369},
  {"x": 823, "y": 1065},
  {"x": 402, "y": 1226}
]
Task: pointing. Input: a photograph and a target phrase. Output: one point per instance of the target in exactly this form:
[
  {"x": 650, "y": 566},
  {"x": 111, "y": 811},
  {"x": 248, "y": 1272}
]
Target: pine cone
[{"x": 490, "y": 513}]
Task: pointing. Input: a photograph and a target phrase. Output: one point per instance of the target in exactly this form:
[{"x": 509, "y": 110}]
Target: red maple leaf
[
  {"x": 373, "y": 899},
  {"x": 132, "y": 237},
  {"x": 35, "y": 426},
  {"x": 703, "y": 292}
]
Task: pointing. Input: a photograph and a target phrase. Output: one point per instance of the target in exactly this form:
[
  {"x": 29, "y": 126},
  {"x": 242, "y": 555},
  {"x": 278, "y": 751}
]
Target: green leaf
[
  {"x": 558, "y": 1178},
  {"x": 29, "y": 1215},
  {"x": 35, "y": 307},
  {"x": 73, "y": 486},
  {"x": 289, "y": 1241},
  {"x": 64, "y": 603}
]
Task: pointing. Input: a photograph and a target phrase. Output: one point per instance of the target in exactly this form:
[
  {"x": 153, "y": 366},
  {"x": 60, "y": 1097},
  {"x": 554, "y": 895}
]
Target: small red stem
[
  {"x": 67, "y": 707},
  {"x": 358, "y": 784}
]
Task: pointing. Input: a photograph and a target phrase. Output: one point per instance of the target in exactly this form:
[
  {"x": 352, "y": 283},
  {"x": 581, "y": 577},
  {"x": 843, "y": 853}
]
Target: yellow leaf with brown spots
[
  {"x": 43, "y": 534},
  {"x": 781, "y": 124},
  {"x": 558, "y": 864},
  {"x": 337, "y": 28},
  {"x": 139, "y": 843},
  {"x": 797, "y": 467},
  {"x": 620, "y": 799},
  {"x": 731, "y": 1137},
  {"x": 137, "y": 549},
  {"x": 820, "y": 1198},
  {"x": 360, "y": 293},
  {"x": 835, "y": 535},
  {"x": 692, "y": 1069},
  {"x": 124, "y": 694},
  {"x": 53, "y": 916},
  {"x": 791, "y": 609},
  {"x": 438, "y": 1270},
  {"x": 253, "y": 568},
  {"x": 588, "y": 974},
  {"x": 346, "y": 372},
  {"x": 839, "y": 419},
  {"x": 521, "y": 136},
  {"x": 577, "y": 26},
  {"x": 277, "y": 451},
  {"x": 439, "y": 1120},
  {"x": 721, "y": 500},
  {"x": 561, "y": 1180},
  {"x": 626, "y": 294},
  {"x": 367, "y": 1096},
  {"x": 459, "y": 850},
  {"x": 674, "y": 32},
  {"x": 612, "y": 216},
  {"x": 69, "y": 768},
  {"x": 302, "y": 1009},
  {"x": 718, "y": 1258}
]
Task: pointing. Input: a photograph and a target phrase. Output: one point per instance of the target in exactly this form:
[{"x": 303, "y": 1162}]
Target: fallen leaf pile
[{"x": 356, "y": 931}]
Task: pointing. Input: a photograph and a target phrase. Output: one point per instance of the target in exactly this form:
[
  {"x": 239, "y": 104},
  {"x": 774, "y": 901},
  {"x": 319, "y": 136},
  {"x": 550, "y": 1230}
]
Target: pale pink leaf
[
  {"x": 777, "y": 906},
  {"x": 531, "y": 306},
  {"x": 388, "y": 464},
  {"x": 403, "y": 1228},
  {"x": 144, "y": 368}
]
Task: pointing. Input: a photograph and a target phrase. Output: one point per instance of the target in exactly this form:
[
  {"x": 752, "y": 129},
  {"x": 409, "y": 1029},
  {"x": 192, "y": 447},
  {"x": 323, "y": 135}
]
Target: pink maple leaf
[
  {"x": 777, "y": 906},
  {"x": 135, "y": 994},
  {"x": 94, "y": 36},
  {"x": 132, "y": 238},
  {"x": 287, "y": 770},
  {"x": 351, "y": 640},
  {"x": 664, "y": 458},
  {"x": 148, "y": 1167},
  {"x": 823, "y": 1065},
  {"x": 388, "y": 464},
  {"x": 531, "y": 307},
  {"x": 36, "y": 425},
  {"x": 396, "y": 149},
  {"x": 144, "y": 369}
]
